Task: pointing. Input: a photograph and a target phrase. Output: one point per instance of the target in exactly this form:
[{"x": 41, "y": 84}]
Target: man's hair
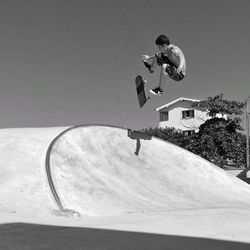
[{"x": 161, "y": 40}]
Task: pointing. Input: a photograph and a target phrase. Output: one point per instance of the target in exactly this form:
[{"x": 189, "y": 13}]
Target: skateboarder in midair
[{"x": 171, "y": 60}]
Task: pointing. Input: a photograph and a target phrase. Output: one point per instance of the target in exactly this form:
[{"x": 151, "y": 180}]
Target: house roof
[{"x": 180, "y": 99}]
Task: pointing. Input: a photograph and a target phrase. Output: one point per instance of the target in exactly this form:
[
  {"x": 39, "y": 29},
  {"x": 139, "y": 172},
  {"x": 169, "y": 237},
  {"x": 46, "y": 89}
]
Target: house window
[
  {"x": 163, "y": 116},
  {"x": 187, "y": 114},
  {"x": 188, "y": 132}
]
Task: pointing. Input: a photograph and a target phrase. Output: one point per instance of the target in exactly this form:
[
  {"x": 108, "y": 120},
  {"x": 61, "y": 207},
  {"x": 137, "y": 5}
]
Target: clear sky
[{"x": 66, "y": 63}]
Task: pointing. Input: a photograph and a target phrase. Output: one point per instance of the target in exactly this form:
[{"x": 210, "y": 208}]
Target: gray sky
[{"x": 74, "y": 62}]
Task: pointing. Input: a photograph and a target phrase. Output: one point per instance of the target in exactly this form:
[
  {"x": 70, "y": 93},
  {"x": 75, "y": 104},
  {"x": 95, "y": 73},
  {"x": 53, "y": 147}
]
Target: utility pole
[
  {"x": 243, "y": 174},
  {"x": 247, "y": 129}
]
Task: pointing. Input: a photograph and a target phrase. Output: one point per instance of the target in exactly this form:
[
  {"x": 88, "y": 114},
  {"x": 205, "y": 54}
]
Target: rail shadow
[
  {"x": 20, "y": 236},
  {"x": 137, "y": 135}
]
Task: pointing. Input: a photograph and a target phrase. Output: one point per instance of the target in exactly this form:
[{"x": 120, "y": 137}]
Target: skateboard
[{"x": 140, "y": 89}]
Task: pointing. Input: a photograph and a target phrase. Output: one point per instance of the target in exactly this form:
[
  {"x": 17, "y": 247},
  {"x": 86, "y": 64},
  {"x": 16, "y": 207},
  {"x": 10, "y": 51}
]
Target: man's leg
[
  {"x": 166, "y": 71},
  {"x": 151, "y": 66},
  {"x": 163, "y": 75},
  {"x": 159, "y": 90}
]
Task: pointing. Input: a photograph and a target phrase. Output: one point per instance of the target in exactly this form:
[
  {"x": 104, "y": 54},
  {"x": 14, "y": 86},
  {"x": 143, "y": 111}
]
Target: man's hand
[
  {"x": 179, "y": 70},
  {"x": 145, "y": 57}
]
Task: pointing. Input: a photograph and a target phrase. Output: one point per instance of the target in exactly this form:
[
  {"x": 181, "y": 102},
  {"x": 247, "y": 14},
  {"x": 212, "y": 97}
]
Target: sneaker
[
  {"x": 156, "y": 91},
  {"x": 148, "y": 66}
]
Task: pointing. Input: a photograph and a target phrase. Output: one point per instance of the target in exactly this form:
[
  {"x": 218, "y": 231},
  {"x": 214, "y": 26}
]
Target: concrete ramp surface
[
  {"x": 23, "y": 181},
  {"x": 103, "y": 170}
]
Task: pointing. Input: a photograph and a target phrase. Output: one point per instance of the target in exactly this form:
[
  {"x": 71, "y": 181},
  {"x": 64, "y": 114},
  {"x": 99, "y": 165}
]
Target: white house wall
[{"x": 175, "y": 117}]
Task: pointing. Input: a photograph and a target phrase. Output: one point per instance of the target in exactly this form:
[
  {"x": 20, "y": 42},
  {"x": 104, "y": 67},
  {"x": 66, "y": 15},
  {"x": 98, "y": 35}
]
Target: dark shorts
[
  {"x": 171, "y": 69},
  {"x": 173, "y": 74}
]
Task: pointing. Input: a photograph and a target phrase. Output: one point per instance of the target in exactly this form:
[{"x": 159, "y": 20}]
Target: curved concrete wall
[{"x": 103, "y": 170}]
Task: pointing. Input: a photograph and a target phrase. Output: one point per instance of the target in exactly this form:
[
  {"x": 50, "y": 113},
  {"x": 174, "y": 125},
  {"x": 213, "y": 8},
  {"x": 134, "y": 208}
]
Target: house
[{"x": 181, "y": 115}]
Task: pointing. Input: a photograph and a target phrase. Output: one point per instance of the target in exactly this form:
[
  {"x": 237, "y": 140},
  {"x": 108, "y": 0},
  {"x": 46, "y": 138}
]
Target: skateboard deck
[{"x": 140, "y": 89}]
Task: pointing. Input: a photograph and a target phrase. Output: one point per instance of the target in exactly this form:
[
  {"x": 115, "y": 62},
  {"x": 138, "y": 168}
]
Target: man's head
[{"x": 162, "y": 42}]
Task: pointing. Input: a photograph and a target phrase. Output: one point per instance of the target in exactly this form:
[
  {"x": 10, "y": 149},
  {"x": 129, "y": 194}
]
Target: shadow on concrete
[
  {"x": 20, "y": 236},
  {"x": 137, "y": 135}
]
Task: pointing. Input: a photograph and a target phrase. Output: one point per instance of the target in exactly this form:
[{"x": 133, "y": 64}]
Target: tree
[
  {"x": 217, "y": 105},
  {"x": 219, "y": 139}
]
